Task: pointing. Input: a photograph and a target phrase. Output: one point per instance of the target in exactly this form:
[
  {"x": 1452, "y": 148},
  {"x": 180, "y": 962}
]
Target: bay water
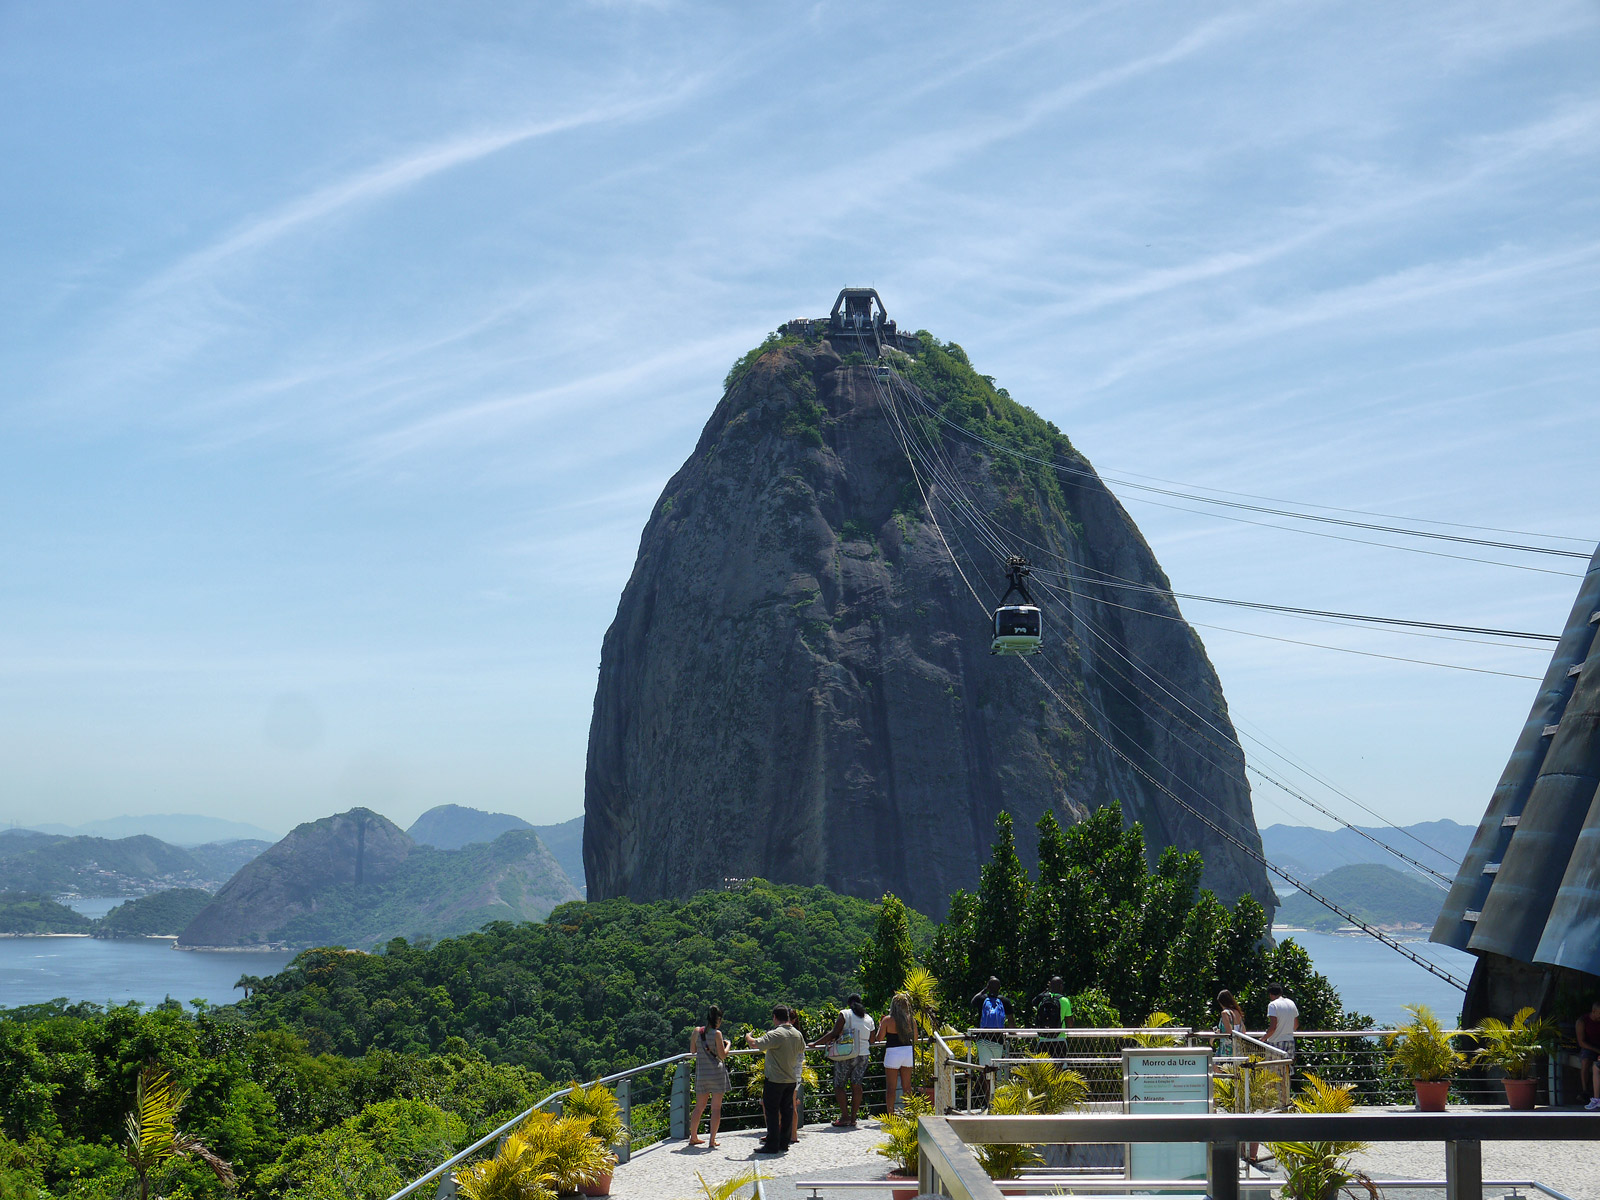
[{"x": 1371, "y": 978}]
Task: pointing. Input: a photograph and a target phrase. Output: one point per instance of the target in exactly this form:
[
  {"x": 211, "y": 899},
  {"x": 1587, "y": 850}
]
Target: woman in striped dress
[{"x": 709, "y": 1048}]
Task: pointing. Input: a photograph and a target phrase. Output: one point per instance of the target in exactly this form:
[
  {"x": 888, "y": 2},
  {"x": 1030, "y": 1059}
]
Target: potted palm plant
[
  {"x": 900, "y": 1145},
  {"x": 1321, "y": 1170},
  {"x": 1423, "y": 1051},
  {"x": 599, "y": 1104},
  {"x": 1513, "y": 1049},
  {"x": 516, "y": 1171},
  {"x": 573, "y": 1156},
  {"x": 1005, "y": 1160}
]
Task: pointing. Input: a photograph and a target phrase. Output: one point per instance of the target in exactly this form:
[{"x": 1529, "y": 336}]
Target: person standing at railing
[
  {"x": 710, "y": 1050},
  {"x": 1229, "y": 1023},
  {"x": 898, "y": 1032},
  {"x": 1052, "y": 1009},
  {"x": 1587, "y": 1030},
  {"x": 849, "y": 1044},
  {"x": 785, "y": 1053},
  {"x": 1283, "y": 1018},
  {"x": 990, "y": 1007}
]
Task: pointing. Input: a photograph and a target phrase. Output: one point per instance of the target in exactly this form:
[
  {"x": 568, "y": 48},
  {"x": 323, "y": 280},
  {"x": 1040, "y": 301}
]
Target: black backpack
[{"x": 1049, "y": 1014}]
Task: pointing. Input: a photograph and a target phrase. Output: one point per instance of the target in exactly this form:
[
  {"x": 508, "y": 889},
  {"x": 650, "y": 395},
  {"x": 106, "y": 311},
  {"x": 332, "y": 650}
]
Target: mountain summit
[{"x": 798, "y": 683}]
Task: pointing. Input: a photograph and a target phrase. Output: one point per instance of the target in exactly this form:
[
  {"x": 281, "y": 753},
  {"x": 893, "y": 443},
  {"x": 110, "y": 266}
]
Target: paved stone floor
[{"x": 667, "y": 1171}]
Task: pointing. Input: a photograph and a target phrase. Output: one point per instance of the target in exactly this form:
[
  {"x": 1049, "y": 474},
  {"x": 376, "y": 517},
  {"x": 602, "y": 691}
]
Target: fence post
[
  {"x": 625, "y": 1104},
  {"x": 1222, "y": 1181},
  {"x": 944, "y": 1092},
  {"x": 447, "y": 1186},
  {"x": 679, "y": 1122},
  {"x": 1463, "y": 1170}
]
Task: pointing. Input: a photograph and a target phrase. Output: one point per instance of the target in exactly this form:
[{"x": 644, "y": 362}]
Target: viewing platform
[{"x": 1477, "y": 1150}]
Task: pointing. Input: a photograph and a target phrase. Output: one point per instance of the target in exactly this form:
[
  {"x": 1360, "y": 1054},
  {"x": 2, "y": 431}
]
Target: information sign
[{"x": 1175, "y": 1079}]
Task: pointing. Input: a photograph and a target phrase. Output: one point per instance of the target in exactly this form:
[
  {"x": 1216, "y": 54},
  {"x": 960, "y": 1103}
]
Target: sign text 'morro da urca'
[{"x": 1166, "y": 1080}]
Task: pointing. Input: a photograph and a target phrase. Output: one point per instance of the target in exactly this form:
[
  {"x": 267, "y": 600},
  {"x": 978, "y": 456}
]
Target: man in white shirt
[{"x": 1283, "y": 1018}]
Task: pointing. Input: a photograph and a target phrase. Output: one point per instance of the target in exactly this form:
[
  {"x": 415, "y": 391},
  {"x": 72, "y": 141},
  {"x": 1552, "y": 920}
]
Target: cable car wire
[
  {"x": 1109, "y": 644},
  {"x": 1094, "y": 731},
  {"x": 998, "y": 548},
  {"x": 997, "y": 544},
  {"x": 1092, "y": 475}
]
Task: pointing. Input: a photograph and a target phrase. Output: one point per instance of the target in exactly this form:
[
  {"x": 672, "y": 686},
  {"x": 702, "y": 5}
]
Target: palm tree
[{"x": 154, "y": 1138}]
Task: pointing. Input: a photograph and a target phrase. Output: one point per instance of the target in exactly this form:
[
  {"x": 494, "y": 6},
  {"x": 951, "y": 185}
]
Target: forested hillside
[{"x": 594, "y": 986}]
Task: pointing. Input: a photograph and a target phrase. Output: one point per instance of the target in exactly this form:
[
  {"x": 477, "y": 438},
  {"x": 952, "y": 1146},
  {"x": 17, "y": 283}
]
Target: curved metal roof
[{"x": 1529, "y": 886}]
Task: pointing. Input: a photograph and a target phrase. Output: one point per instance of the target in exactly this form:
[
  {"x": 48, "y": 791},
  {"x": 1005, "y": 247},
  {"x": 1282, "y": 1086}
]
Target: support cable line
[
  {"x": 1091, "y": 475},
  {"x": 995, "y": 538},
  {"x": 1366, "y": 512},
  {"x": 1250, "y": 852},
  {"x": 1434, "y": 877},
  {"x": 1072, "y": 617}
]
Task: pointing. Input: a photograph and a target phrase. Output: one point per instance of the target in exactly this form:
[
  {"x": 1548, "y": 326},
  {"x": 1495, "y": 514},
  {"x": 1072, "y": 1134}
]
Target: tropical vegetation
[
  {"x": 1421, "y": 1049},
  {"x": 1321, "y": 1170},
  {"x": 1515, "y": 1047}
]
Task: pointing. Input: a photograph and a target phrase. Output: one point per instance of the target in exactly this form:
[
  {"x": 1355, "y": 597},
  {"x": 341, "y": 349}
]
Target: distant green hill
[
  {"x": 1377, "y": 894},
  {"x": 159, "y": 914},
  {"x": 28, "y": 912},
  {"x": 1308, "y": 853},
  {"x": 56, "y": 864}
]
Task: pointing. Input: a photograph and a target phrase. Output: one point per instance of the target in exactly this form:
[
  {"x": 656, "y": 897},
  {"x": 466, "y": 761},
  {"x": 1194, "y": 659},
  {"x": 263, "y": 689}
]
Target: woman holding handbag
[
  {"x": 849, "y": 1043},
  {"x": 709, "y": 1048}
]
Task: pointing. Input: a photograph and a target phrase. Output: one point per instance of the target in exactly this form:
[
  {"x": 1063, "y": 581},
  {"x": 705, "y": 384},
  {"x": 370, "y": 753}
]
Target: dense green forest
[
  {"x": 594, "y": 987},
  {"x": 293, "y": 1124},
  {"x": 348, "y": 1073}
]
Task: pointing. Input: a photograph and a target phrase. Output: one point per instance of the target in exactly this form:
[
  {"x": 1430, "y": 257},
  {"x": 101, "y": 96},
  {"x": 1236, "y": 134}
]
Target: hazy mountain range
[
  {"x": 56, "y": 864},
  {"x": 176, "y": 829},
  {"x": 1308, "y": 853}
]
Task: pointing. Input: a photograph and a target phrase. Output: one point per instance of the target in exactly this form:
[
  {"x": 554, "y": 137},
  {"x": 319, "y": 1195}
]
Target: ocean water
[
  {"x": 1373, "y": 979},
  {"x": 1370, "y": 977},
  {"x": 33, "y": 970}
]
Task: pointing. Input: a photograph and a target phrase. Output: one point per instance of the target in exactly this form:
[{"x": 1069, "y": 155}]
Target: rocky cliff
[
  {"x": 357, "y": 879},
  {"x": 798, "y": 684}
]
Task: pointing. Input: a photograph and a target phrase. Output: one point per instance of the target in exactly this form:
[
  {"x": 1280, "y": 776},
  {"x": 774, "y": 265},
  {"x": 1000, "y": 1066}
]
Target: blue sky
[{"x": 345, "y": 348}]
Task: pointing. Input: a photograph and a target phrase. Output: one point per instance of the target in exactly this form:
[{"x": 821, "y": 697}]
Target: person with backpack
[
  {"x": 849, "y": 1043},
  {"x": 990, "y": 1007},
  {"x": 1052, "y": 1009}
]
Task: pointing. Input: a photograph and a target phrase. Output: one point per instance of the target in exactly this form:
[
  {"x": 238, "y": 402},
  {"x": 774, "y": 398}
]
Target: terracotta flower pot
[
  {"x": 1520, "y": 1093},
  {"x": 905, "y": 1193},
  {"x": 600, "y": 1187},
  {"x": 1431, "y": 1094}
]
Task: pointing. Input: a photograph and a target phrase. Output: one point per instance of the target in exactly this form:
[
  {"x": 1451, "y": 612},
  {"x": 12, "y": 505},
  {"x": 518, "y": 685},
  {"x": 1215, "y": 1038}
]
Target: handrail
[{"x": 461, "y": 1156}]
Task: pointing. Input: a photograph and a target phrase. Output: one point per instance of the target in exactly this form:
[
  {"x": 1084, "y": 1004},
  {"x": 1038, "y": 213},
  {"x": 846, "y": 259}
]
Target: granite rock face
[{"x": 798, "y": 683}]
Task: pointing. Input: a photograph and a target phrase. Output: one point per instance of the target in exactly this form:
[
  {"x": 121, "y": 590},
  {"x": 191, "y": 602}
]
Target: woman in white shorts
[{"x": 898, "y": 1033}]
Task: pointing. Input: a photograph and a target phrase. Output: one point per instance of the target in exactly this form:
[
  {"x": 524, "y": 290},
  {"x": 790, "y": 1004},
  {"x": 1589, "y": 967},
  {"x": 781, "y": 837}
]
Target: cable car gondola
[{"x": 1018, "y": 628}]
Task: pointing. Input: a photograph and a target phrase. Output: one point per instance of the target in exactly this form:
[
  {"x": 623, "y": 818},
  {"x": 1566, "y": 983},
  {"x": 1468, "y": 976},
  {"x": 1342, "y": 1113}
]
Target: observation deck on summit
[{"x": 858, "y": 319}]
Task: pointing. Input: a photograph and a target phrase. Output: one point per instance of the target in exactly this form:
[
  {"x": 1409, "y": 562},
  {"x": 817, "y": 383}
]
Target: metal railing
[
  {"x": 655, "y": 1099},
  {"x": 1354, "y": 1058},
  {"x": 949, "y": 1168}
]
